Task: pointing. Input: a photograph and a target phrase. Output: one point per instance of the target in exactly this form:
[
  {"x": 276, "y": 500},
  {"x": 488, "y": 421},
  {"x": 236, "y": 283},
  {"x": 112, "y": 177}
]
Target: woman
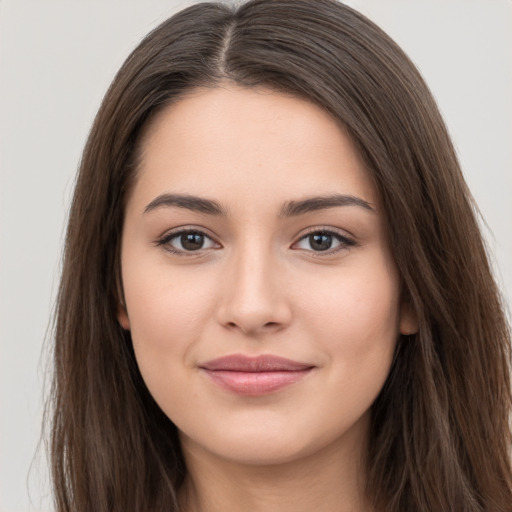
[{"x": 275, "y": 295}]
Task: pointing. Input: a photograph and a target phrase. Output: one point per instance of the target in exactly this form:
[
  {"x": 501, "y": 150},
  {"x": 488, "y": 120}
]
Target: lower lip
[{"x": 255, "y": 383}]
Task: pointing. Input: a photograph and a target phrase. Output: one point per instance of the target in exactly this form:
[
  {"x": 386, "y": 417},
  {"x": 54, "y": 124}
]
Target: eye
[
  {"x": 186, "y": 241},
  {"x": 324, "y": 241}
]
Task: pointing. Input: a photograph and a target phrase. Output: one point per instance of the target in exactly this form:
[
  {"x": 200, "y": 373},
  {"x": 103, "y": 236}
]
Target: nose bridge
[
  {"x": 253, "y": 271},
  {"x": 253, "y": 298}
]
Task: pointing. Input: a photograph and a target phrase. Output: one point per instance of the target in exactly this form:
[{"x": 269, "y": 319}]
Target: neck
[{"x": 332, "y": 477}]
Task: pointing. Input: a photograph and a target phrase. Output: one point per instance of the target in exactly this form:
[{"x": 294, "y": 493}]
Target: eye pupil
[
  {"x": 320, "y": 242},
  {"x": 192, "y": 241}
]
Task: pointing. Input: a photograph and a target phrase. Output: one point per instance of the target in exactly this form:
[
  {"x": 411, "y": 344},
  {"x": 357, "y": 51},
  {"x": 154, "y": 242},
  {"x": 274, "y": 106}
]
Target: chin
[{"x": 267, "y": 444}]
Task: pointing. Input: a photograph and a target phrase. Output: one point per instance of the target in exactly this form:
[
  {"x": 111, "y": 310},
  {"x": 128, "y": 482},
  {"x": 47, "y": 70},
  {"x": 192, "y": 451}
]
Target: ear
[
  {"x": 122, "y": 314},
  {"x": 122, "y": 317},
  {"x": 408, "y": 318}
]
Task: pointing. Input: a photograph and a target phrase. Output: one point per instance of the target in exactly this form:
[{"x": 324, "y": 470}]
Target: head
[{"x": 444, "y": 396}]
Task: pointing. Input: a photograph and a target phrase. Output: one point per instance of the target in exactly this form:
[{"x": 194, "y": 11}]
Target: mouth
[{"x": 253, "y": 376}]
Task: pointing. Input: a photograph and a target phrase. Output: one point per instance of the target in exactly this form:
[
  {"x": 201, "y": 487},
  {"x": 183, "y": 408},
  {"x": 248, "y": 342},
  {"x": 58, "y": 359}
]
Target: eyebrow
[
  {"x": 311, "y": 204},
  {"x": 288, "y": 209},
  {"x": 197, "y": 204}
]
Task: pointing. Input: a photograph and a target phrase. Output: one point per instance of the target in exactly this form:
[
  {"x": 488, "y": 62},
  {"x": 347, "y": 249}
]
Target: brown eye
[
  {"x": 192, "y": 241},
  {"x": 186, "y": 241},
  {"x": 323, "y": 241},
  {"x": 320, "y": 242}
]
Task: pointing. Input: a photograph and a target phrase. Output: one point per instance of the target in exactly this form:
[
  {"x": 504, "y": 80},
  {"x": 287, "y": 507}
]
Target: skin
[{"x": 257, "y": 286}]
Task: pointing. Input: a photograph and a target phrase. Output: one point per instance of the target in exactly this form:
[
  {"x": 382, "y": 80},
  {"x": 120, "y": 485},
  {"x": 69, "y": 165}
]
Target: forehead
[{"x": 254, "y": 142}]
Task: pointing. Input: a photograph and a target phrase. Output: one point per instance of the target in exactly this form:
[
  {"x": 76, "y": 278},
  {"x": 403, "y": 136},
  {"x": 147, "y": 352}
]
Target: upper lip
[{"x": 263, "y": 363}]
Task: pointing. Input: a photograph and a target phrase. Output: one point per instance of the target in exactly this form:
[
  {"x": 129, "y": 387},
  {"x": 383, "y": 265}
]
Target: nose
[{"x": 254, "y": 299}]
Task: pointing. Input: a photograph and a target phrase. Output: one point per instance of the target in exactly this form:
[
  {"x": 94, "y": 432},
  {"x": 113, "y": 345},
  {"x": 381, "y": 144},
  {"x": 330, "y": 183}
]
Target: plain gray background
[{"x": 56, "y": 61}]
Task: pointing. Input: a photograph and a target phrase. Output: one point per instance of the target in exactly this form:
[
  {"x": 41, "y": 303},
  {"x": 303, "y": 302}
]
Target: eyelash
[
  {"x": 166, "y": 239},
  {"x": 344, "y": 241}
]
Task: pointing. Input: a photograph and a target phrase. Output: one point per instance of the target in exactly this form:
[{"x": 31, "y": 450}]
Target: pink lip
[{"x": 254, "y": 376}]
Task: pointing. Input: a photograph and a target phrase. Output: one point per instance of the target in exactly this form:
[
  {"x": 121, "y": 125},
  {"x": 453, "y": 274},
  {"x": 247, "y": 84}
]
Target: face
[{"x": 260, "y": 291}]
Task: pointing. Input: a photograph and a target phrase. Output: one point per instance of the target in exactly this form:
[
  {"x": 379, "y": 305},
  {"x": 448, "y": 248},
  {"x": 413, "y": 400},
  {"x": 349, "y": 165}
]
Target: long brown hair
[{"x": 440, "y": 436}]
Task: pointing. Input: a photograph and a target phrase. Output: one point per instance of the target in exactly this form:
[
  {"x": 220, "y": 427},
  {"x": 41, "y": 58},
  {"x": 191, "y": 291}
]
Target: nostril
[{"x": 268, "y": 325}]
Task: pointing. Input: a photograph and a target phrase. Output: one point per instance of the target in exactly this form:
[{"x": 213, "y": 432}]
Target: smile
[{"x": 253, "y": 376}]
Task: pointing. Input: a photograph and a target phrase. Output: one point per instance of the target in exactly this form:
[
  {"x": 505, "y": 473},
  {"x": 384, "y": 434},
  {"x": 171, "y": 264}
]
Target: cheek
[
  {"x": 354, "y": 315},
  {"x": 168, "y": 312},
  {"x": 356, "y": 326}
]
